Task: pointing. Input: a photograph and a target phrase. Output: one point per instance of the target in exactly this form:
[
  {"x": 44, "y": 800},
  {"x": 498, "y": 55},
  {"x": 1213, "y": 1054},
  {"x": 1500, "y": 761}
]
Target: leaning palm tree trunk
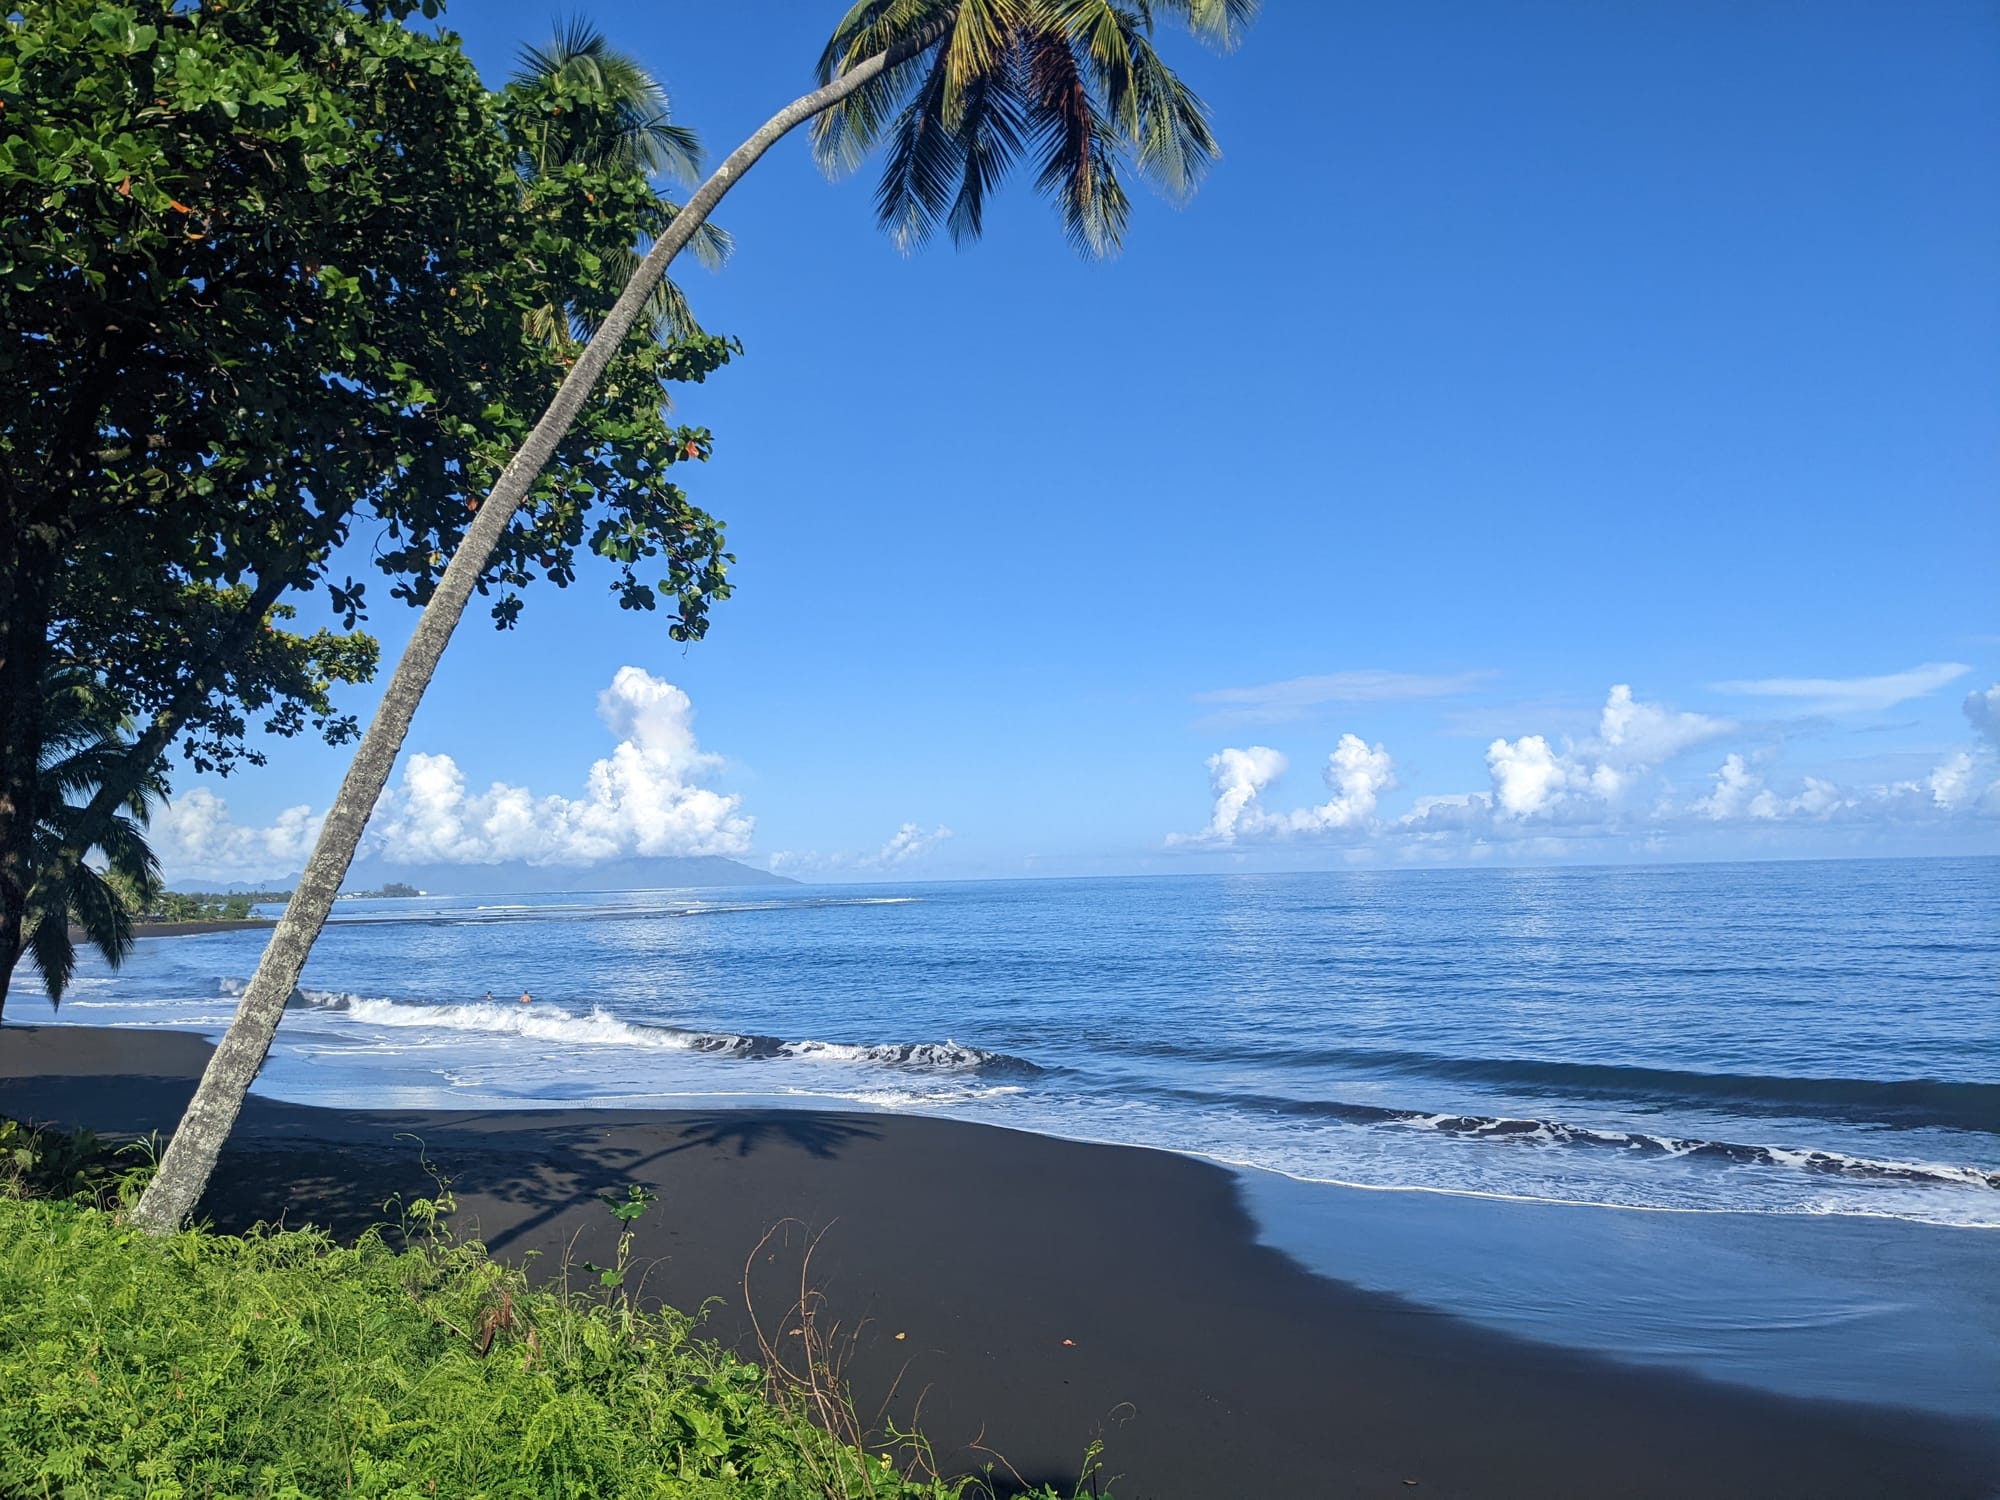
[{"x": 184, "y": 1169}]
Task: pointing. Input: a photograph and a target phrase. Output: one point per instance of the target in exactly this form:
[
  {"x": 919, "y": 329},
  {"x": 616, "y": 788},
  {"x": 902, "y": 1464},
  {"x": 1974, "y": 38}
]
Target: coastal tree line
[{"x": 285, "y": 274}]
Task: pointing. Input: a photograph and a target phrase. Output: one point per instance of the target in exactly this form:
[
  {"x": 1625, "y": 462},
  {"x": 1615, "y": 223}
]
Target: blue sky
[{"x": 1516, "y": 352}]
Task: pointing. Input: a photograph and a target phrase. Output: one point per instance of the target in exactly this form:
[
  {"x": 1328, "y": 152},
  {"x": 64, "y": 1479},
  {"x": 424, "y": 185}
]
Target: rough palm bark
[{"x": 184, "y": 1169}]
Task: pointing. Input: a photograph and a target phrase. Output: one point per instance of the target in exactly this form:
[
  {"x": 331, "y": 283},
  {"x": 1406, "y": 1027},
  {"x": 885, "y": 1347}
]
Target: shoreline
[
  {"x": 206, "y": 925},
  {"x": 191, "y": 929},
  {"x": 1048, "y": 1292}
]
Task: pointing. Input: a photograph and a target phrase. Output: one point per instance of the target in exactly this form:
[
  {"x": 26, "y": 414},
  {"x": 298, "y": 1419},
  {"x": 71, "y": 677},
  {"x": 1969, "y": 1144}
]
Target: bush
[
  {"x": 37, "y": 1162},
  {"x": 284, "y": 1365}
]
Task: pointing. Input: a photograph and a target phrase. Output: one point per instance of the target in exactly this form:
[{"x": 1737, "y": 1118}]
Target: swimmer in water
[
  {"x": 526, "y": 998},
  {"x": 489, "y": 997}
]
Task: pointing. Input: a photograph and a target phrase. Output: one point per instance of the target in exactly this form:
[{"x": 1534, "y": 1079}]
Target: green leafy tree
[
  {"x": 1074, "y": 82},
  {"x": 84, "y": 740},
  {"x": 277, "y": 281}
]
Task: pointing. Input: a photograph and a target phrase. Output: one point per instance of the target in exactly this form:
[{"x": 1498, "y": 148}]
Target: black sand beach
[
  {"x": 189, "y": 929},
  {"x": 1033, "y": 1294}
]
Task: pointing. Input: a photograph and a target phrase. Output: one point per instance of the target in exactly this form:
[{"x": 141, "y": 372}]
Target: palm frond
[
  {"x": 53, "y": 954},
  {"x": 922, "y": 163},
  {"x": 1099, "y": 33},
  {"x": 573, "y": 37},
  {"x": 1219, "y": 23},
  {"x": 872, "y": 26},
  {"x": 1078, "y": 83},
  {"x": 85, "y": 745},
  {"x": 672, "y": 151},
  {"x": 642, "y": 136},
  {"x": 668, "y": 312},
  {"x": 982, "y": 34},
  {"x": 712, "y": 245},
  {"x": 128, "y": 855},
  {"x": 1168, "y": 132},
  {"x": 991, "y": 133},
  {"x": 548, "y": 325},
  {"x": 843, "y": 136},
  {"x": 671, "y": 317},
  {"x": 1076, "y": 143},
  {"x": 102, "y": 917}
]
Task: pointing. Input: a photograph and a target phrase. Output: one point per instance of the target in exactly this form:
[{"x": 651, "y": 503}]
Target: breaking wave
[
  {"x": 599, "y": 1027},
  {"x": 1892, "y": 1102},
  {"x": 1551, "y": 1133}
]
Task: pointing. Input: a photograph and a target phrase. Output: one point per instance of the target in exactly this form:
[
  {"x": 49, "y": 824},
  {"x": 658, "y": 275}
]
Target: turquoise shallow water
[{"x": 1796, "y": 1048}]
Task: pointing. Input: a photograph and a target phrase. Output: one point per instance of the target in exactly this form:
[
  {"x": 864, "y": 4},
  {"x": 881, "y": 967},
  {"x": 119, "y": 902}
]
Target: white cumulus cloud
[
  {"x": 910, "y": 842},
  {"x": 196, "y": 839},
  {"x": 1355, "y": 773},
  {"x": 1556, "y": 796},
  {"x": 1528, "y": 777},
  {"x": 1982, "y": 710},
  {"x": 1951, "y": 784},
  {"x": 1635, "y": 733},
  {"x": 1237, "y": 777},
  {"x": 1533, "y": 779},
  {"x": 1357, "y": 776},
  {"x": 644, "y": 798},
  {"x": 907, "y": 845},
  {"x": 1739, "y": 792}
]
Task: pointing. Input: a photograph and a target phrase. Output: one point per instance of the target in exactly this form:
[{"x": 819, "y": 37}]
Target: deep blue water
[{"x": 1797, "y": 1043}]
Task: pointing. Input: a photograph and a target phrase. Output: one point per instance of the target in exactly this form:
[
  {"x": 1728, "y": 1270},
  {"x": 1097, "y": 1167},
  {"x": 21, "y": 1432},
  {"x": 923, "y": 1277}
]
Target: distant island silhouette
[{"x": 516, "y": 877}]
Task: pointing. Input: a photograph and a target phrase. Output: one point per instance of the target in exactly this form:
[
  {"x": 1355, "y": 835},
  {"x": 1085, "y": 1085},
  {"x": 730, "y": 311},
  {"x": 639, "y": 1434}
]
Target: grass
[{"x": 282, "y": 1364}]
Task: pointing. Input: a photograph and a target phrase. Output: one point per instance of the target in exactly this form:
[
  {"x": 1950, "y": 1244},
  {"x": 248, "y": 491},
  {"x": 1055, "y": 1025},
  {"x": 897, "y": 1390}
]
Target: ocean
[{"x": 1739, "y": 1118}]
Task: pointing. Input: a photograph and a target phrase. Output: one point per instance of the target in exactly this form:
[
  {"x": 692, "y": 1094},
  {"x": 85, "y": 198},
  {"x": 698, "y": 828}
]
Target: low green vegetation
[
  {"x": 79, "y": 1166},
  {"x": 197, "y": 906},
  {"x": 286, "y": 1365}
]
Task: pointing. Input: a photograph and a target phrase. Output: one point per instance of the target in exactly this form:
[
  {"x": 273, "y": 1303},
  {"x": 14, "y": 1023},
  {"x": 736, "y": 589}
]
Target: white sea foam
[{"x": 600, "y": 1028}]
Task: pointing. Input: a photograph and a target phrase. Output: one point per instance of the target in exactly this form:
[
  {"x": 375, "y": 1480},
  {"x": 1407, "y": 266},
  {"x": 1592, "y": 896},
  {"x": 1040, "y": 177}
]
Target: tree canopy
[{"x": 278, "y": 278}]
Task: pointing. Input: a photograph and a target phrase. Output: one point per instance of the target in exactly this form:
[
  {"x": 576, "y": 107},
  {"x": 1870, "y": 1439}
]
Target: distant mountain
[{"x": 517, "y": 879}]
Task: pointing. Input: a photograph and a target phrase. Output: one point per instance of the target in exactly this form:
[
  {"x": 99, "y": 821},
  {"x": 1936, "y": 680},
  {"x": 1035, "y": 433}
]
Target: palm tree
[
  {"x": 86, "y": 739},
  {"x": 595, "y": 106},
  {"x": 1076, "y": 84},
  {"x": 959, "y": 89}
]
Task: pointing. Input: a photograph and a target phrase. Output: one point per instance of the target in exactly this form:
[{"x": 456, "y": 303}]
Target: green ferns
[{"x": 284, "y": 1365}]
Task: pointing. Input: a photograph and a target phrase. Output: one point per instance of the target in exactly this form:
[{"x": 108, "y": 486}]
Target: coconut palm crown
[
  {"x": 1074, "y": 85},
  {"x": 642, "y": 135},
  {"x": 85, "y": 739},
  {"x": 594, "y": 106}
]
